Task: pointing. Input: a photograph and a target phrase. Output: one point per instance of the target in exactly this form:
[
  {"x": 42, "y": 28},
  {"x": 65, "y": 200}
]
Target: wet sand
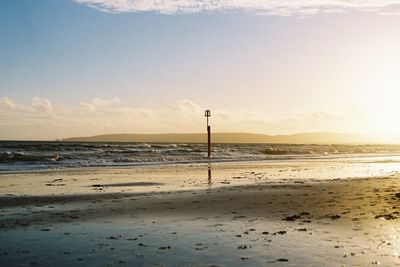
[{"x": 311, "y": 213}]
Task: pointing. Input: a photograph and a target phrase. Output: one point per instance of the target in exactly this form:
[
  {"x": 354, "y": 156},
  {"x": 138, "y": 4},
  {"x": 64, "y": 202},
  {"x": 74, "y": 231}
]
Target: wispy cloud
[
  {"x": 42, "y": 104},
  {"x": 271, "y": 7},
  {"x": 6, "y": 103}
]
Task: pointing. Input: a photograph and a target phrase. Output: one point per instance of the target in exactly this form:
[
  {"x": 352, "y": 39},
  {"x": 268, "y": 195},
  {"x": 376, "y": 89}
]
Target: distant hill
[{"x": 301, "y": 138}]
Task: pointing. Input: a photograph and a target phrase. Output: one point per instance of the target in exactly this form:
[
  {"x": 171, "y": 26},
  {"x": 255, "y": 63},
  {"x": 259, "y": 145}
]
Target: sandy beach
[{"x": 289, "y": 213}]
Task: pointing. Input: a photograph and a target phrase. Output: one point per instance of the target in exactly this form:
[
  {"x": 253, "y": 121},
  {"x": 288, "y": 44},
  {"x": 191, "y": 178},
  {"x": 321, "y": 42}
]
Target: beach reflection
[{"x": 209, "y": 174}]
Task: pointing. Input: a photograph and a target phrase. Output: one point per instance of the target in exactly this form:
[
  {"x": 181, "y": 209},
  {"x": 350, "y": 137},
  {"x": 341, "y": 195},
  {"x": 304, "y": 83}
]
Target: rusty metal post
[
  {"x": 207, "y": 113},
  {"x": 209, "y": 141}
]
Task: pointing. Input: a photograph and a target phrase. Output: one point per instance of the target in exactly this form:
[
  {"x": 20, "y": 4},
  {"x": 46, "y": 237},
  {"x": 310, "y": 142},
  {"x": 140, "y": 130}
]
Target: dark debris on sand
[
  {"x": 392, "y": 216},
  {"x": 295, "y": 217}
]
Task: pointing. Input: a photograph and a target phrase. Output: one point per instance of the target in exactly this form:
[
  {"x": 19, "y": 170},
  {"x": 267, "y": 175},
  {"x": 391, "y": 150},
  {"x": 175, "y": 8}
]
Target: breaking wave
[{"x": 16, "y": 156}]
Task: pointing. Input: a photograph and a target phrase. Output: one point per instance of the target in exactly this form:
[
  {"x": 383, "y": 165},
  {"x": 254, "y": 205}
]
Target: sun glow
[{"x": 380, "y": 101}]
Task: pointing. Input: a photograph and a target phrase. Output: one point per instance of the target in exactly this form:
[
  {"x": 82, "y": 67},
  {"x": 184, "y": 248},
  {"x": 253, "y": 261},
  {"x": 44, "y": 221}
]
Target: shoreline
[
  {"x": 161, "y": 164},
  {"x": 289, "y": 159}
]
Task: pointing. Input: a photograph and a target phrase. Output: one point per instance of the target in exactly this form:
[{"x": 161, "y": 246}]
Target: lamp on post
[{"x": 207, "y": 114}]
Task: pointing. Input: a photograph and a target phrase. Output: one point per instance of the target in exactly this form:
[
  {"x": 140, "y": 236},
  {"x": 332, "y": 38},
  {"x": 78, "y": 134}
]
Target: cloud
[
  {"x": 190, "y": 107},
  {"x": 43, "y": 120},
  {"x": 7, "y": 103},
  {"x": 323, "y": 116},
  {"x": 87, "y": 107},
  {"x": 271, "y": 7},
  {"x": 41, "y": 104},
  {"x": 97, "y": 104},
  {"x": 105, "y": 102}
]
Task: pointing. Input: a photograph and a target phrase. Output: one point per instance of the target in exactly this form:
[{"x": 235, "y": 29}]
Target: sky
[{"x": 87, "y": 67}]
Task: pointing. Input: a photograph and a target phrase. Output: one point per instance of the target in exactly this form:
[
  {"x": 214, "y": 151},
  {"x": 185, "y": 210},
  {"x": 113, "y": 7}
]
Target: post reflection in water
[{"x": 209, "y": 174}]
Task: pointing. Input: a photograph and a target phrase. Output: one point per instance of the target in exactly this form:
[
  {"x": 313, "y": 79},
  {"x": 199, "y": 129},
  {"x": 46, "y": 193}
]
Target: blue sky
[
  {"x": 306, "y": 71},
  {"x": 55, "y": 47}
]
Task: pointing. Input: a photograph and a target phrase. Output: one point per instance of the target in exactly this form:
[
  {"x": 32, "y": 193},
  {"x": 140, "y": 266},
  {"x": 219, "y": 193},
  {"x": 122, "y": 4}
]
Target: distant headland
[{"x": 300, "y": 138}]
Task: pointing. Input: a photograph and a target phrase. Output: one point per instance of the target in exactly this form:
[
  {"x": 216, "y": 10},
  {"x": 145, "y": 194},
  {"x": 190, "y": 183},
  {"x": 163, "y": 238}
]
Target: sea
[{"x": 32, "y": 155}]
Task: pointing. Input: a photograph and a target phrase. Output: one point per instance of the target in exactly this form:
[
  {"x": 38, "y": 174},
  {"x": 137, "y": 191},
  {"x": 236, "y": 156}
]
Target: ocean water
[{"x": 19, "y": 156}]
